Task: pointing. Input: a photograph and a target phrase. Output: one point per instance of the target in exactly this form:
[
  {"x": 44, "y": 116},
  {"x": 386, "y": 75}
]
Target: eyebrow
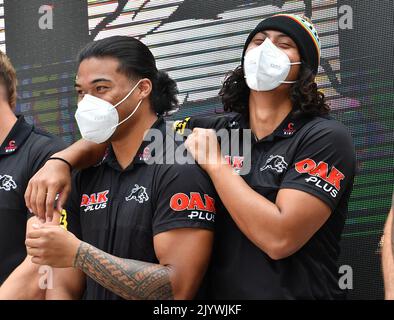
[
  {"x": 282, "y": 35},
  {"x": 93, "y": 82}
]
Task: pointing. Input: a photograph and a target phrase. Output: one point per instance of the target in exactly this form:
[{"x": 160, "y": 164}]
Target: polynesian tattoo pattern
[{"x": 130, "y": 279}]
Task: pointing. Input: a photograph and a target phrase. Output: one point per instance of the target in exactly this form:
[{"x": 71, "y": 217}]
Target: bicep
[
  {"x": 303, "y": 215},
  {"x": 186, "y": 252}
]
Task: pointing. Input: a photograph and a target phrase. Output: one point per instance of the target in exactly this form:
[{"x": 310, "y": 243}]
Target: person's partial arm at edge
[{"x": 388, "y": 257}]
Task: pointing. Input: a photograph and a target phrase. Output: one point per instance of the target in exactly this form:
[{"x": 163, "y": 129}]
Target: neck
[
  {"x": 267, "y": 109},
  {"x": 129, "y": 141},
  {"x": 7, "y": 121}
]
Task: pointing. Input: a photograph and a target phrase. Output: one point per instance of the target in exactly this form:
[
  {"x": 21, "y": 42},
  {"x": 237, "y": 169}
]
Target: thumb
[
  {"x": 48, "y": 226},
  {"x": 37, "y": 226}
]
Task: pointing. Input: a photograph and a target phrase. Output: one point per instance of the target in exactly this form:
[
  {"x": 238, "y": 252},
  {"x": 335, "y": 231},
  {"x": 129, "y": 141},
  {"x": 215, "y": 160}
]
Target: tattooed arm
[
  {"x": 130, "y": 279},
  {"x": 183, "y": 256}
]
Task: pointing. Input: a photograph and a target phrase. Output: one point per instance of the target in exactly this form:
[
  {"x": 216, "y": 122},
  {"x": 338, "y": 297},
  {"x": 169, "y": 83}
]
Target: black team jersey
[
  {"x": 314, "y": 155},
  {"x": 22, "y": 153},
  {"x": 120, "y": 211}
]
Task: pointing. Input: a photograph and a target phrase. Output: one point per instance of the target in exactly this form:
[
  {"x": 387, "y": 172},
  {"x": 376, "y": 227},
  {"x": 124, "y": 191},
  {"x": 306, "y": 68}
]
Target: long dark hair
[
  {"x": 307, "y": 100},
  {"x": 136, "y": 61}
]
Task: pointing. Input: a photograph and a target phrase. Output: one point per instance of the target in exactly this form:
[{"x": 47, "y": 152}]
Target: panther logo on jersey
[
  {"x": 7, "y": 183},
  {"x": 138, "y": 193},
  {"x": 276, "y": 163}
]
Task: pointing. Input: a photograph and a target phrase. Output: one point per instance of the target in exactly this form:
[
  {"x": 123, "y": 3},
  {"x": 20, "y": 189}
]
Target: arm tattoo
[{"x": 130, "y": 279}]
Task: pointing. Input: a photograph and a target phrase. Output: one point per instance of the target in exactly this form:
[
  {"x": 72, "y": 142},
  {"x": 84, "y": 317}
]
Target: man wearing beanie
[
  {"x": 280, "y": 238},
  {"x": 283, "y": 216}
]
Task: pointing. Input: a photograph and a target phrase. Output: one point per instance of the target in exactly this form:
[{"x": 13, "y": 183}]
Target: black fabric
[
  {"x": 120, "y": 211},
  {"x": 22, "y": 153},
  {"x": 239, "y": 269},
  {"x": 294, "y": 30}
]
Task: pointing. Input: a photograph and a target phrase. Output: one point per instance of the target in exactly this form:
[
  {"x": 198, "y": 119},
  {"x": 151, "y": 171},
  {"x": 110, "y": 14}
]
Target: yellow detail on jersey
[
  {"x": 180, "y": 125},
  {"x": 63, "y": 219}
]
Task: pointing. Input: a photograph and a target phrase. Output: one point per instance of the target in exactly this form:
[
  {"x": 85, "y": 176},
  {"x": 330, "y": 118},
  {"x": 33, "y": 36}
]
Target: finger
[
  {"x": 38, "y": 260},
  {"x": 41, "y": 200},
  {"x": 63, "y": 197},
  {"x": 33, "y": 200},
  {"x": 33, "y": 243},
  {"x": 35, "y": 234},
  {"x": 34, "y": 251},
  {"x": 50, "y": 203},
  {"x": 28, "y": 195},
  {"x": 55, "y": 219},
  {"x": 50, "y": 226}
]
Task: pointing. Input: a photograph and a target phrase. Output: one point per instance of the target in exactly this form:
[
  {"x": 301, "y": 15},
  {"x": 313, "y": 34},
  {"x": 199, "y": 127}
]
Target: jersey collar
[
  {"x": 143, "y": 154},
  {"x": 16, "y": 137},
  {"x": 286, "y": 129}
]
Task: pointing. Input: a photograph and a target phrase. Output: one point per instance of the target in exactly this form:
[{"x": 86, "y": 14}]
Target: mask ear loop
[
  {"x": 292, "y": 64},
  {"x": 128, "y": 95},
  {"x": 134, "y": 111}
]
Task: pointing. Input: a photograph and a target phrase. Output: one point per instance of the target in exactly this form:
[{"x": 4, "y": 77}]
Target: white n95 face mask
[
  {"x": 98, "y": 119},
  {"x": 266, "y": 67}
]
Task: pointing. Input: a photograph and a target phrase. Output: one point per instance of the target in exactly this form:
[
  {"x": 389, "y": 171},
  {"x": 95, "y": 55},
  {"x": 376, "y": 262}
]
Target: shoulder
[
  {"x": 327, "y": 128},
  {"x": 217, "y": 122},
  {"x": 43, "y": 140},
  {"x": 188, "y": 172},
  {"x": 327, "y": 138}
]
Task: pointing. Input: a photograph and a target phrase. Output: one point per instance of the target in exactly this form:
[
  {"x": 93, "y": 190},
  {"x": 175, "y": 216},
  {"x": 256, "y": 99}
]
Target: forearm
[
  {"x": 257, "y": 217},
  {"x": 83, "y": 154},
  {"x": 388, "y": 257},
  {"x": 24, "y": 283},
  {"x": 129, "y": 279}
]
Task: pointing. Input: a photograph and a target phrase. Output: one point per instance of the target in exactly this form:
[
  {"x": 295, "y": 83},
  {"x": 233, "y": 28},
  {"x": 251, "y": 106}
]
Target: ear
[{"x": 144, "y": 88}]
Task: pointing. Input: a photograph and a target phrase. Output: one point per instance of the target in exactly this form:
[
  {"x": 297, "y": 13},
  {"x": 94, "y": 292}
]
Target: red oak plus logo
[
  {"x": 329, "y": 181},
  {"x": 95, "y": 201},
  {"x": 199, "y": 209},
  {"x": 236, "y": 162}
]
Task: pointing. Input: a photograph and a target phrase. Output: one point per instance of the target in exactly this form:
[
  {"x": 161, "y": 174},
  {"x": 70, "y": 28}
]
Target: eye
[
  {"x": 101, "y": 89},
  {"x": 258, "y": 41},
  {"x": 284, "y": 45}
]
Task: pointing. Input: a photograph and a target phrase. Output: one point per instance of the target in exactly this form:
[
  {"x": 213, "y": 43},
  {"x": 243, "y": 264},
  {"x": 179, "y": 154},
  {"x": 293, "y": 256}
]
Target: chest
[
  {"x": 116, "y": 209},
  {"x": 13, "y": 183},
  {"x": 264, "y": 165}
]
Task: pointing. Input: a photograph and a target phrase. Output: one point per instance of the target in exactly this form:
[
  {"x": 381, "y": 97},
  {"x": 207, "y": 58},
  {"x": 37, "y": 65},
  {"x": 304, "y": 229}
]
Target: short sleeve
[
  {"x": 44, "y": 149},
  {"x": 70, "y": 219},
  {"x": 324, "y": 164},
  {"x": 217, "y": 123},
  {"x": 186, "y": 198}
]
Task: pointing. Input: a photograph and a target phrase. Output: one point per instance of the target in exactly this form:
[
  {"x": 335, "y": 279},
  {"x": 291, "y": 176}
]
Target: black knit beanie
[{"x": 300, "y": 30}]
